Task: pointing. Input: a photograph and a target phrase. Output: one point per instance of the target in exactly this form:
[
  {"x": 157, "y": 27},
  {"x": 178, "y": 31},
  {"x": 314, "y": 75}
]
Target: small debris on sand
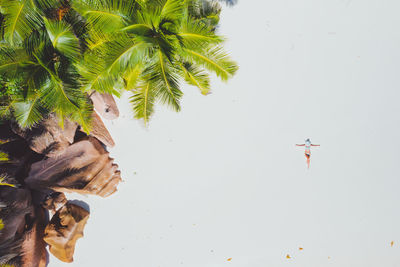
[
  {"x": 229, "y": 259},
  {"x": 288, "y": 256}
]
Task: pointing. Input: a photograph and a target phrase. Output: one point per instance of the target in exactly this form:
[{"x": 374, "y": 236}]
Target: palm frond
[
  {"x": 149, "y": 14},
  {"x": 3, "y": 181},
  {"x": 196, "y": 76},
  {"x": 83, "y": 116},
  {"x": 143, "y": 101},
  {"x": 63, "y": 38},
  {"x": 105, "y": 15},
  {"x": 11, "y": 60},
  {"x": 20, "y": 19},
  {"x": 97, "y": 39},
  {"x": 6, "y": 109},
  {"x": 94, "y": 74},
  {"x": 63, "y": 99},
  {"x": 194, "y": 33},
  {"x": 47, "y": 4},
  {"x": 164, "y": 77},
  {"x": 29, "y": 112},
  {"x": 36, "y": 42},
  {"x": 131, "y": 77},
  {"x": 172, "y": 11},
  {"x": 205, "y": 12},
  {"x": 4, "y": 157},
  {"x": 213, "y": 58},
  {"x": 102, "y": 70},
  {"x": 58, "y": 95},
  {"x": 78, "y": 26},
  {"x": 137, "y": 28},
  {"x": 124, "y": 53}
]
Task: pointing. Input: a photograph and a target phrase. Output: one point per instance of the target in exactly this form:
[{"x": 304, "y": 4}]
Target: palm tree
[
  {"x": 53, "y": 54},
  {"x": 149, "y": 47},
  {"x": 37, "y": 52}
]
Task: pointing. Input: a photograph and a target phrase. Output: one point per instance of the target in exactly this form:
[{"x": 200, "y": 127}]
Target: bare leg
[{"x": 308, "y": 160}]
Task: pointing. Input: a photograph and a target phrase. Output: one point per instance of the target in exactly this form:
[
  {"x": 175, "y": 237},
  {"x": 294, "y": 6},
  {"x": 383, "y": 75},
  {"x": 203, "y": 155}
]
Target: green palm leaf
[
  {"x": 20, "y": 19},
  {"x": 11, "y": 60},
  {"x": 3, "y": 157},
  {"x": 105, "y": 15},
  {"x": 140, "y": 29},
  {"x": 164, "y": 76},
  {"x": 102, "y": 70},
  {"x": 204, "y": 12},
  {"x": 64, "y": 99},
  {"x": 6, "y": 109},
  {"x": 196, "y": 76},
  {"x": 196, "y": 34},
  {"x": 94, "y": 74},
  {"x": 29, "y": 112},
  {"x": 83, "y": 116},
  {"x": 131, "y": 77},
  {"x": 124, "y": 53},
  {"x": 143, "y": 101},
  {"x": 172, "y": 10},
  {"x": 62, "y": 38},
  {"x": 3, "y": 182},
  {"x": 43, "y": 4},
  {"x": 214, "y": 59}
]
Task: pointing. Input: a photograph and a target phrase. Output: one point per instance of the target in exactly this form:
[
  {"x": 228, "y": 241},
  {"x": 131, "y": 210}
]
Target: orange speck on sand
[
  {"x": 392, "y": 243},
  {"x": 288, "y": 256},
  {"x": 300, "y": 248},
  {"x": 229, "y": 259}
]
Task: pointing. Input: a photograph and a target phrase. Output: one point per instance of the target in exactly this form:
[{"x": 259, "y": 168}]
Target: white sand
[{"x": 223, "y": 179}]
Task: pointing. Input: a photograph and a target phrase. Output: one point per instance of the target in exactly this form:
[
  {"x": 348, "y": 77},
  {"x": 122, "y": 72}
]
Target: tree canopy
[{"x": 53, "y": 54}]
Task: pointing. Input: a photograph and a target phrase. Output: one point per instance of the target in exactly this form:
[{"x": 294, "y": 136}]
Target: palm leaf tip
[
  {"x": 3, "y": 158},
  {"x": 164, "y": 81},
  {"x": 28, "y": 113},
  {"x": 173, "y": 10},
  {"x": 197, "y": 77},
  {"x": 215, "y": 59},
  {"x": 3, "y": 181},
  {"x": 142, "y": 101},
  {"x": 20, "y": 19}
]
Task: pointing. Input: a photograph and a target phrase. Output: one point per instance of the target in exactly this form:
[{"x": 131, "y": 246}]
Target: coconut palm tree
[
  {"x": 149, "y": 47},
  {"x": 37, "y": 52},
  {"x": 55, "y": 53}
]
